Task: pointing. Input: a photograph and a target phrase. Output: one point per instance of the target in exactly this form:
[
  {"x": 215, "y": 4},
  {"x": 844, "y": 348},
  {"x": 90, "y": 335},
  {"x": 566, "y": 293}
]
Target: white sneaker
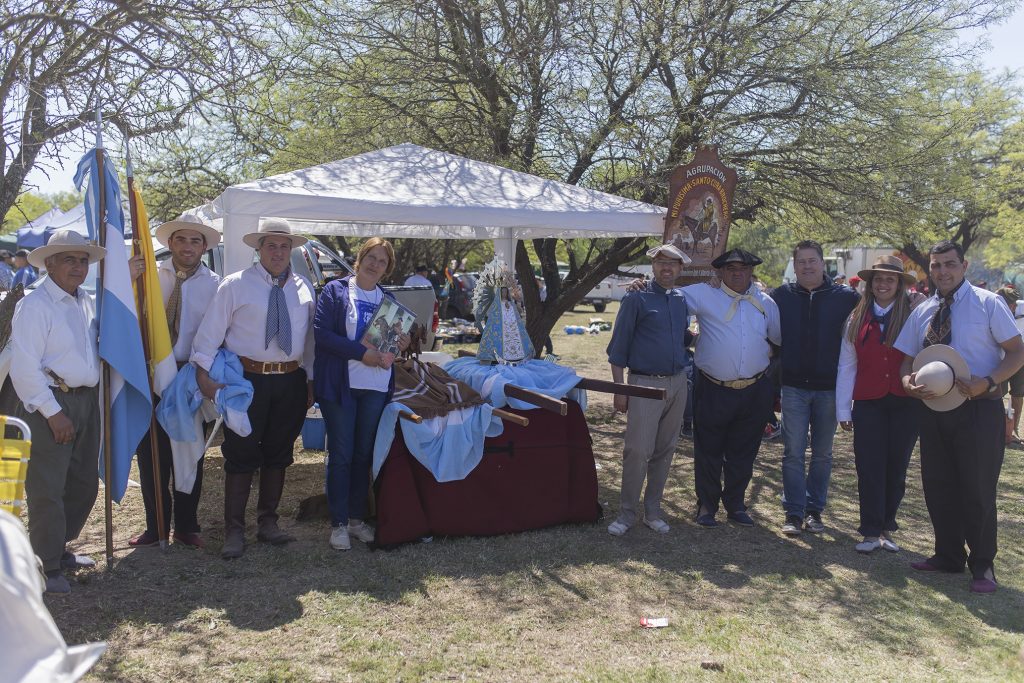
[
  {"x": 658, "y": 525},
  {"x": 889, "y": 545},
  {"x": 339, "y": 538},
  {"x": 868, "y": 545},
  {"x": 361, "y": 531},
  {"x": 617, "y": 528}
]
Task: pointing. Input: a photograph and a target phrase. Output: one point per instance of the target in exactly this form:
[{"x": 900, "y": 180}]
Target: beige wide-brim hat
[
  {"x": 273, "y": 227},
  {"x": 187, "y": 221},
  {"x": 65, "y": 240},
  {"x": 670, "y": 251},
  {"x": 938, "y": 367},
  {"x": 888, "y": 264}
]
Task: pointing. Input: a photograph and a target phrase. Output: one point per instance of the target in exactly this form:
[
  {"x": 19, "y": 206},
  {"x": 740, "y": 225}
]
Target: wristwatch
[{"x": 991, "y": 384}]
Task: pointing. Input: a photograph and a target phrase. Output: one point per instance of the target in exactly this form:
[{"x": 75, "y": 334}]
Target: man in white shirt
[
  {"x": 55, "y": 370},
  {"x": 734, "y": 395},
  {"x": 263, "y": 314},
  {"x": 962, "y": 448},
  {"x": 188, "y": 288},
  {"x": 419, "y": 278}
]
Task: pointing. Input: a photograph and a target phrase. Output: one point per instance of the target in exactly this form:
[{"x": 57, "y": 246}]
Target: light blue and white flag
[{"x": 120, "y": 335}]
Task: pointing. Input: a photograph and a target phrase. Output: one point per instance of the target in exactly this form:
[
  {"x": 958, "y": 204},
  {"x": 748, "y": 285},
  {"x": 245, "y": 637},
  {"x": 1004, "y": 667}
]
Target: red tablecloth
[{"x": 529, "y": 477}]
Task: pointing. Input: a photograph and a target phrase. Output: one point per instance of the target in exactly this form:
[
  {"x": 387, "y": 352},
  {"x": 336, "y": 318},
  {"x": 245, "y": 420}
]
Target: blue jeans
[
  {"x": 805, "y": 489},
  {"x": 351, "y": 432}
]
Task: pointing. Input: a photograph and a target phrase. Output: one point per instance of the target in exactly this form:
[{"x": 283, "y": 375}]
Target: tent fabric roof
[{"x": 413, "y": 191}]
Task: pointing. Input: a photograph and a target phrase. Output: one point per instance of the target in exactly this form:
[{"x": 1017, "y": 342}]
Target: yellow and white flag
[{"x": 160, "y": 354}]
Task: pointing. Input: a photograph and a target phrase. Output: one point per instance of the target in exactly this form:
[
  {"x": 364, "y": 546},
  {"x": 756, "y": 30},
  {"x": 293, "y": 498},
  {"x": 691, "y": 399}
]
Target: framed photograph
[{"x": 389, "y": 322}]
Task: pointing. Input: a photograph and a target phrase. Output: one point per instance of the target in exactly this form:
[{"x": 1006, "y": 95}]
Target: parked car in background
[{"x": 460, "y": 297}]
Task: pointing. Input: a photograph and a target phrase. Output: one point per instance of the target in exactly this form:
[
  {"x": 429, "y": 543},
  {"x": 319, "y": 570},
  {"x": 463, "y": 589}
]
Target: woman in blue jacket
[{"x": 353, "y": 383}]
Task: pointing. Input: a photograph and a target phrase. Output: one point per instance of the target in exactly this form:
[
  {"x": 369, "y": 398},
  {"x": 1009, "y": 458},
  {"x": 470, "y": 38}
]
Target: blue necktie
[{"x": 278, "y": 323}]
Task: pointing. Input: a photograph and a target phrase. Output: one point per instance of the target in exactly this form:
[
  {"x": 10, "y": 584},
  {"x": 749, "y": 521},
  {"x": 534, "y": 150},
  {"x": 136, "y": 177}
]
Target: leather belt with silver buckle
[
  {"x": 269, "y": 368},
  {"x": 741, "y": 383}
]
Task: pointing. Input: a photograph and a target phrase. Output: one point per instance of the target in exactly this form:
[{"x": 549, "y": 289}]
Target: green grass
[{"x": 561, "y": 603}]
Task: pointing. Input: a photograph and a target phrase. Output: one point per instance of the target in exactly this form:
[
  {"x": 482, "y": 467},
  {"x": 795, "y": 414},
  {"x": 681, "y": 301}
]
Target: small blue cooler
[{"x": 314, "y": 431}]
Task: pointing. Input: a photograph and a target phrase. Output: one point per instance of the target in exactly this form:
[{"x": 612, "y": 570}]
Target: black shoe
[
  {"x": 687, "y": 431},
  {"x": 74, "y": 562},
  {"x": 813, "y": 523},
  {"x": 793, "y": 525},
  {"x": 707, "y": 520},
  {"x": 741, "y": 517}
]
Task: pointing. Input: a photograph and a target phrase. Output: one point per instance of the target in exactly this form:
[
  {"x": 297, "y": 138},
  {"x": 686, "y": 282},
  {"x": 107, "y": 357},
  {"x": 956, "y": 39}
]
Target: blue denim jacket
[{"x": 333, "y": 347}]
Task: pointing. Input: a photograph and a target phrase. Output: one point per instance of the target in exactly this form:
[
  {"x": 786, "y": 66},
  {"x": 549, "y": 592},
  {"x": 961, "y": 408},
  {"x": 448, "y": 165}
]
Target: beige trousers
[{"x": 652, "y": 431}]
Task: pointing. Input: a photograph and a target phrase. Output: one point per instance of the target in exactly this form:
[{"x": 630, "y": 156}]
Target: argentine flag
[{"x": 120, "y": 338}]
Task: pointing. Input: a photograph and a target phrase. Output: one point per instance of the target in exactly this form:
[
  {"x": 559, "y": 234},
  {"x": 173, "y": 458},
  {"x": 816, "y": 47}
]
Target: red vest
[{"x": 878, "y": 365}]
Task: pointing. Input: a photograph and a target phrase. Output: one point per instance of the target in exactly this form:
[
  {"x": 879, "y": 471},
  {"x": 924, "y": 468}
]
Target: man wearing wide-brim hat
[
  {"x": 962, "y": 443},
  {"x": 55, "y": 370},
  {"x": 733, "y": 394},
  {"x": 263, "y": 314},
  {"x": 188, "y": 287},
  {"x": 648, "y": 338}
]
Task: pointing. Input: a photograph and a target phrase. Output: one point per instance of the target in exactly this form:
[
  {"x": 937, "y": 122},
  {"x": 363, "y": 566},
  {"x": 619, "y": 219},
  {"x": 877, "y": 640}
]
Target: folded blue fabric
[
  {"x": 182, "y": 399},
  {"x": 541, "y": 376},
  {"x": 449, "y": 446}
]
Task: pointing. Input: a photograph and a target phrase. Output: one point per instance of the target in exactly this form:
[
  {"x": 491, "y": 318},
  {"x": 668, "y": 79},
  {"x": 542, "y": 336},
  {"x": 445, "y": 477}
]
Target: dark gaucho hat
[{"x": 736, "y": 256}]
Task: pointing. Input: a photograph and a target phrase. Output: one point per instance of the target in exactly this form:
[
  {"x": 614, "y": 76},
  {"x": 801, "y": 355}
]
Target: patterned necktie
[
  {"x": 940, "y": 330},
  {"x": 174, "y": 303},
  {"x": 278, "y": 323},
  {"x": 736, "y": 299}
]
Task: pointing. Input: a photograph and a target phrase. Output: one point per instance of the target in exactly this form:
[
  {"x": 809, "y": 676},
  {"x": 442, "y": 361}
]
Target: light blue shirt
[
  {"x": 980, "y": 323},
  {"x": 737, "y": 348}
]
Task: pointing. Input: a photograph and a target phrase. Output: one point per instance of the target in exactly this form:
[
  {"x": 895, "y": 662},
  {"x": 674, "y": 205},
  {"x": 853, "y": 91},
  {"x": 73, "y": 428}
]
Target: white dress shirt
[
  {"x": 980, "y": 323},
  {"x": 57, "y": 331},
  {"x": 197, "y": 294},
  {"x": 237, "y": 320},
  {"x": 736, "y": 349},
  {"x": 417, "y": 280},
  {"x": 847, "y": 375}
]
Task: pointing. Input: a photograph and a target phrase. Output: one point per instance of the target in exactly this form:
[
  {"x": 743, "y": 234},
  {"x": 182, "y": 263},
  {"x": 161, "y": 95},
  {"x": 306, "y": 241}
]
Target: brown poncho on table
[{"x": 429, "y": 391}]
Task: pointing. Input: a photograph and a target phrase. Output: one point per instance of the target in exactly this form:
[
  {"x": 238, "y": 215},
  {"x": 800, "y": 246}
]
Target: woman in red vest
[{"x": 884, "y": 420}]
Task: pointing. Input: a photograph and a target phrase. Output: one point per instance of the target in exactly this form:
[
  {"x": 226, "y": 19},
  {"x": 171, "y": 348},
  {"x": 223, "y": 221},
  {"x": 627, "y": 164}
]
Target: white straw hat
[
  {"x": 187, "y": 221},
  {"x": 273, "y": 226},
  {"x": 938, "y": 367},
  {"x": 63, "y": 240}
]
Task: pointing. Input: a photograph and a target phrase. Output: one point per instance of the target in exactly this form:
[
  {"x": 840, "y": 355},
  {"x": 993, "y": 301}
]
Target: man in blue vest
[{"x": 812, "y": 311}]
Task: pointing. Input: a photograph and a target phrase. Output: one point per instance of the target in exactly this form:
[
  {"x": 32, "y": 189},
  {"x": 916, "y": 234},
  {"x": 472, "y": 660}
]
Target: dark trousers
[
  {"x": 276, "y": 414},
  {"x": 62, "y": 479},
  {"x": 884, "y": 433},
  {"x": 728, "y": 424},
  {"x": 351, "y": 432},
  {"x": 185, "y": 504},
  {"x": 961, "y": 457}
]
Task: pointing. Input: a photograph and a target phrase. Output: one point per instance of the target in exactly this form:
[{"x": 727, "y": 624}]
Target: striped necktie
[
  {"x": 279, "y": 325},
  {"x": 940, "y": 330}
]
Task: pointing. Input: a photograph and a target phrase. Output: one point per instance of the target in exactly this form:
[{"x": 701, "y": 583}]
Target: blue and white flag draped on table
[{"x": 120, "y": 336}]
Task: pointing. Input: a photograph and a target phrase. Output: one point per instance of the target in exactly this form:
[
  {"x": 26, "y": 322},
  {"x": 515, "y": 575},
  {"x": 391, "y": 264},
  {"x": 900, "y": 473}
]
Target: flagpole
[
  {"x": 101, "y": 228},
  {"x": 140, "y": 298}
]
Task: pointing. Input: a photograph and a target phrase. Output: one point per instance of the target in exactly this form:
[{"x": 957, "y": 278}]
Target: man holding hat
[
  {"x": 734, "y": 396},
  {"x": 188, "y": 288},
  {"x": 649, "y": 338},
  {"x": 969, "y": 330},
  {"x": 263, "y": 314},
  {"x": 55, "y": 370},
  {"x": 813, "y": 311}
]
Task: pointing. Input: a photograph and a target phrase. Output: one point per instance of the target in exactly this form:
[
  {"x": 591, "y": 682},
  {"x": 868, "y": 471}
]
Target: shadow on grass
[{"x": 560, "y": 570}]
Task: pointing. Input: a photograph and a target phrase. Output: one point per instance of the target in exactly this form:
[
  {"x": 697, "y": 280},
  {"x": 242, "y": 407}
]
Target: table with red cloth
[{"x": 530, "y": 477}]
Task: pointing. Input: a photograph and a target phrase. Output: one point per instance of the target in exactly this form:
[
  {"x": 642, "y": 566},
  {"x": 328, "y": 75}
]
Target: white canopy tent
[{"x": 413, "y": 191}]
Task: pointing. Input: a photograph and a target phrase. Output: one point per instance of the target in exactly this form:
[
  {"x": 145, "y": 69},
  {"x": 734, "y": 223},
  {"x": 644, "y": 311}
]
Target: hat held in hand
[{"x": 938, "y": 367}]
